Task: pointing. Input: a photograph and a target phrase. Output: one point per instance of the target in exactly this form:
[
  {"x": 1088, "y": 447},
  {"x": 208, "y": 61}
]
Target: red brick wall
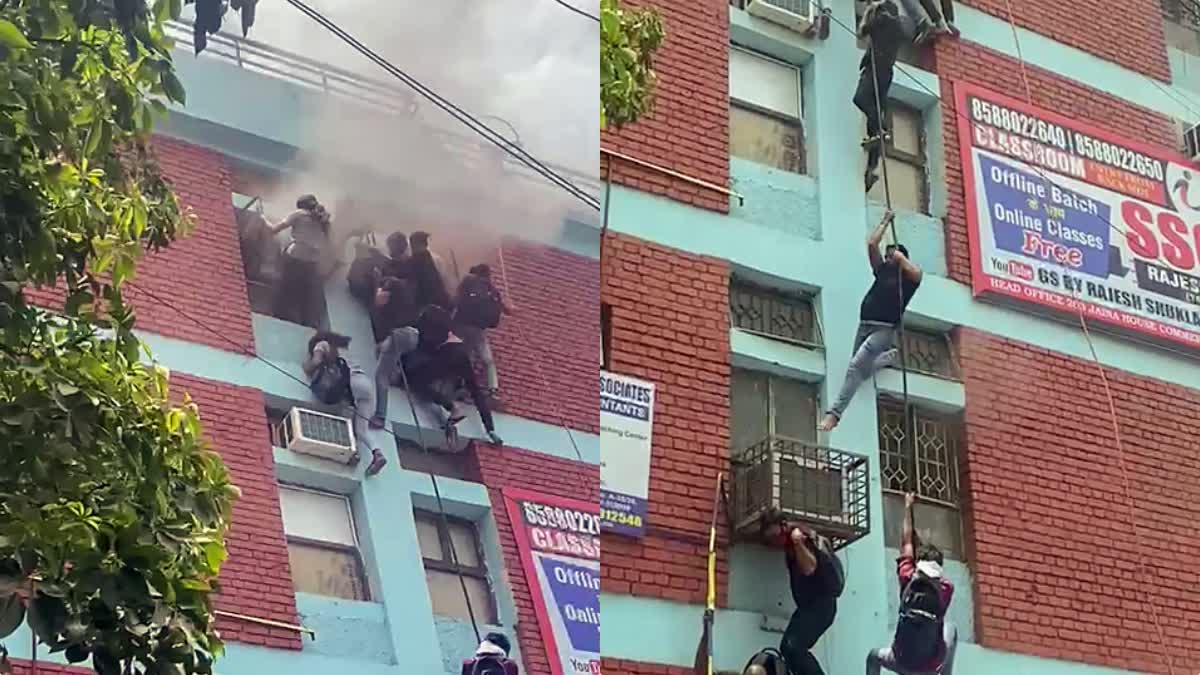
[
  {"x": 1045, "y": 487},
  {"x": 687, "y": 130},
  {"x": 22, "y": 667},
  {"x": 622, "y": 667},
  {"x": 200, "y": 275},
  {"x": 547, "y": 352},
  {"x": 961, "y": 61},
  {"x": 256, "y": 580},
  {"x": 1129, "y": 33},
  {"x": 670, "y": 326},
  {"x": 514, "y": 468}
]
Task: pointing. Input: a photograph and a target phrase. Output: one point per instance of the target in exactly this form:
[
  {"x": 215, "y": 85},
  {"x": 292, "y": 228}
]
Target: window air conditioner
[
  {"x": 798, "y": 15},
  {"x": 319, "y": 434},
  {"x": 1191, "y": 142}
]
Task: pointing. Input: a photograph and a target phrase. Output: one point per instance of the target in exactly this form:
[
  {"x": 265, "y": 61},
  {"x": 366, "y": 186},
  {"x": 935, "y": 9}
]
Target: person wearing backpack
[
  {"x": 925, "y": 642},
  {"x": 491, "y": 658},
  {"x": 478, "y": 307},
  {"x": 816, "y": 578},
  {"x": 333, "y": 380}
]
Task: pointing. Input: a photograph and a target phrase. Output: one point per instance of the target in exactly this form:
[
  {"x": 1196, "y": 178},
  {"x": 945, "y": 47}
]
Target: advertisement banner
[
  {"x": 1071, "y": 217},
  {"x": 626, "y": 423},
  {"x": 558, "y": 541}
]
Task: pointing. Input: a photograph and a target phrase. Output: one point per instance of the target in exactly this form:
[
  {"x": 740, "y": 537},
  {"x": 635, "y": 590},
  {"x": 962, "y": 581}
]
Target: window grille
[
  {"x": 929, "y": 466},
  {"x": 774, "y": 314},
  {"x": 929, "y": 353}
]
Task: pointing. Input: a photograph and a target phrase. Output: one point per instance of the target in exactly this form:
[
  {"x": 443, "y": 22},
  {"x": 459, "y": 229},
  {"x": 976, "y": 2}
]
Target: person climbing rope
[
  {"x": 881, "y": 311},
  {"x": 925, "y": 642},
  {"x": 881, "y": 27},
  {"x": 816, "y": 578},
  {"x": 930, "y": 22},
  {"x": 491, "y": 658}
]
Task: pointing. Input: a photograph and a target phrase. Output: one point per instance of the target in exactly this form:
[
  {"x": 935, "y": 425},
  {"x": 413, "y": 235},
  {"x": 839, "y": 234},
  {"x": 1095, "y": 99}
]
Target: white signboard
[{"x": 626, "y": 423}]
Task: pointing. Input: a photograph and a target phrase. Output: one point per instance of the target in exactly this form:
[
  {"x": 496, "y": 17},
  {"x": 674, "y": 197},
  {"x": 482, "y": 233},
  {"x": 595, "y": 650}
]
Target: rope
[
  {"x": 887, "y": 193},
  {"x": 1108, "y": 395}
]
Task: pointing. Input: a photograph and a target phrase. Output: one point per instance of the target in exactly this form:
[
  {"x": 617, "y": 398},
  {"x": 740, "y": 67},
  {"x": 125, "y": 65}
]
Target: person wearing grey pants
[
  {"x": 929, "y": 21},
  {"x": 896, "y": 281},
  {"x": 886, "y": 658}
]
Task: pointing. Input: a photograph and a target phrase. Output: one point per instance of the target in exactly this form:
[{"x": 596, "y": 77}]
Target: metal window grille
[
  {"x": 773, "y": 313},
  {"x": 930, "y": 353},
  {"x": 822, "y": 487},
  {"x": 929, "y": 465},
  {"x": 1182, "y": 12}
]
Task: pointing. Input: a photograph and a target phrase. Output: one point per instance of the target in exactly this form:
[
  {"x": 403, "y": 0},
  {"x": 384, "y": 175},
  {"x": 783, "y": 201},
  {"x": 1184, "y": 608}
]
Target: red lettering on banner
[
  {"x": 1170, "y": 239},
  {"x": 1034, "y": 245}
]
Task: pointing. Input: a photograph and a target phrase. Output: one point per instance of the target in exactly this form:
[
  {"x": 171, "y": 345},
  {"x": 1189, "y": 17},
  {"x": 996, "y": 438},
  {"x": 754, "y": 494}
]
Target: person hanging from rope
[
  {"x": 896, "y": 281},
  {"x": 881, "y": 27},
  {"x": 925, "y": 641},
  {"x": 816, "y": 578}
]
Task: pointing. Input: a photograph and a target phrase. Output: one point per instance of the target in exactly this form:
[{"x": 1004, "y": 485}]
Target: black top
[
  {"x": 882, "y": 26},
  {"x": 431, "y": 290},
  {"x": 882, "y": 302}
]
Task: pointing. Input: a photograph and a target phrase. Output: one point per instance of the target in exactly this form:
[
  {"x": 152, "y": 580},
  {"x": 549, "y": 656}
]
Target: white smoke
[{"x": 530, "y": 63}]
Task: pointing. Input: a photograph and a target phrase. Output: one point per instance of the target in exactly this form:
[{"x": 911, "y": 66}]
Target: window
[
  {"x": 442, "y": 574},
  {"x": 772, "y": 313},
  {"x": 1181, "y": 25},
  {"x": 322, "y": 544},
  {"x": 262, "y": 258},
  {"x": 905, "y": 160},
  {"x": 765, "y": 111},
  {"x": 929, "y": 353},
  {"x": 765, "y": 405},
  {"x": 928, "y": 467}
]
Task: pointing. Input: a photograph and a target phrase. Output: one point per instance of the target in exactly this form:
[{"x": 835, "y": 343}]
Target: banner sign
[
  {"x": 1071, "y": 217},
  {"x": 558, "y": 541},
  {"x": 626, "y": 423}
]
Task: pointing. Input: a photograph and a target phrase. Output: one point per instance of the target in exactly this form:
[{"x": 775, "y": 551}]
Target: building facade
[
  {"x": 733, "y": 266},
  {"x": 330, "y": 570}
]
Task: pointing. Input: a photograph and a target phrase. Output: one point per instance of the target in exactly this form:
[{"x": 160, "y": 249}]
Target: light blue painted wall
[{"x": 774, "y": 241}]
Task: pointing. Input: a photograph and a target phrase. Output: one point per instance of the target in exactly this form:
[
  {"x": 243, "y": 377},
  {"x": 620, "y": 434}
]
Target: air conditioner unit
[
  {"x": 319, "y": 434},
  {"x": 798, "y": 15},
  {"x": 1191, "y": 142}
]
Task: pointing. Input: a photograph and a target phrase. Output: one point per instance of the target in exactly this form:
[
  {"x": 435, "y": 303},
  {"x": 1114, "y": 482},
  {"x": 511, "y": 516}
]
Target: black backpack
[
  {"x": 331, "y": 382},
  {"x": 481, "y": 304},
  {"x": 771, "y": 660},
  {"x": 492, "y": 665},
  {"x": 919, "y": 631}
]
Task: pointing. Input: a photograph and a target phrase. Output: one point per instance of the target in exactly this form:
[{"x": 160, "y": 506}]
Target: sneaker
[
  {"x": 869, "y": 180},
  {"x": 378, "y": 461}
]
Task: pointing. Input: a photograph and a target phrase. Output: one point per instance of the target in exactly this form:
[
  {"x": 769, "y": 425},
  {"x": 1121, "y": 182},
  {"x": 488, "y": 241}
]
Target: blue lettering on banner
[
  {"x": 576, "y": 591},
  {"x": 1036, "y": 218}
]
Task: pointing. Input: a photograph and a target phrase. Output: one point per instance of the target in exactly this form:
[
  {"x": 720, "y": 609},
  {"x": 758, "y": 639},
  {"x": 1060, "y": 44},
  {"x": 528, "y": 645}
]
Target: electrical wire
[
  {"x": 448, "y": 107},
  {"x": 1103, "y": 376},
  {"x": 578, "y": 11}
]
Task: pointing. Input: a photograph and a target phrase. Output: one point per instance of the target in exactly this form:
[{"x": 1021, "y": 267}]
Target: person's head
[
  {"x": 500, "y": 640},
  {"x": 482, "y": 270},
  {"x": 419, "y": 241},
  {"x": 890, "y": 251},
  {"x": 397, "y": 244},
  {"x": 307, "y": 202},
  {"x": 929, "y": 552},
  {"x": 434, "y": 325},
  {"x": 335, "y": 340}
]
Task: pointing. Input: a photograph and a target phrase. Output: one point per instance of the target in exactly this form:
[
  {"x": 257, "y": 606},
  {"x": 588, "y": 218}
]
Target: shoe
[
  {"x": 870, "y": 179},
  {"x": 925, "y": 33},
  {"x": 495, "y": 438},
  {"x": 378, "y": 461},
  {"x": 456, "y": 414}
]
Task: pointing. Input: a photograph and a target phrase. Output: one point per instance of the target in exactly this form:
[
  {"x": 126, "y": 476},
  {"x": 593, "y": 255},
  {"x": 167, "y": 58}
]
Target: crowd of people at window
[{"x": 427, "y": 339}]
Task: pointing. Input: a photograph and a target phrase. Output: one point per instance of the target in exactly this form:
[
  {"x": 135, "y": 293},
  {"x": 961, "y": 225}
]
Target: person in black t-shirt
[
  {"x": 881, "y": 26},
  {"x": 816, "y": 578},
  {"x": 882, "y": 309}
]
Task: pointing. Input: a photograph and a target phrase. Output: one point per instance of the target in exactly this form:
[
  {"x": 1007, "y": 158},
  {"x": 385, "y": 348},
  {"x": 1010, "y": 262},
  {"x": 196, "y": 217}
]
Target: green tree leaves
[
  {"x": 628, "y": 40},
  {"x": 113, "y": 511}
]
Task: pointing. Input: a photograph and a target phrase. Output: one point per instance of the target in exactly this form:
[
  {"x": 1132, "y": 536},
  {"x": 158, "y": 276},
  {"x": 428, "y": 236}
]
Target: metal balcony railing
[
  {"x": 824, "y": 488},
  {"x": 377, "y": 95}
]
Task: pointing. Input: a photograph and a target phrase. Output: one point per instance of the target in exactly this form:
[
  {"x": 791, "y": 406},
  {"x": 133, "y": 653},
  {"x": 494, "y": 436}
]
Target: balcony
[{"x": 824, "y": 488}]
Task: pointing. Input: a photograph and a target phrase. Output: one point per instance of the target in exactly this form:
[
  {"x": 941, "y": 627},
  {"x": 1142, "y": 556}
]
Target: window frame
[
  {"x": 771, "y": 403},
  {"x": 955, "y": 419},
  {"x": 796, "y": 122},
  {"x": 355, "y": 551},
  {"x": 447, "y": 564},
  {"x": 920, "y": 160},
  {"x": 818, "y": 341}
]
